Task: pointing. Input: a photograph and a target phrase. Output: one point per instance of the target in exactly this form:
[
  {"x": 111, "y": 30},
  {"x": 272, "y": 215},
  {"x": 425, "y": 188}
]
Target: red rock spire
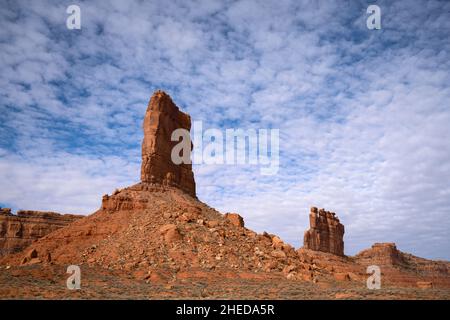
[
  {"x": 326, "y": 233},
  {"x": 161, "y": 119}
]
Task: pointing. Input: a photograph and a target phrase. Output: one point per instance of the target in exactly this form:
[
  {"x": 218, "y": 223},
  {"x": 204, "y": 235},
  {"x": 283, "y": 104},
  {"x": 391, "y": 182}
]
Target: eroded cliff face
[
  {"x": 161, "y": 119},
  {"x": 381, "y": 254},
  {"x": 19, "y": 231},
  {"x": 326, "y": 233}
]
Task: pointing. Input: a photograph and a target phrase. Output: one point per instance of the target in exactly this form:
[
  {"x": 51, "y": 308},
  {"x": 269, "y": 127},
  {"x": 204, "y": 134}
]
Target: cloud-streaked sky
[{"x": 364, "y": 115}]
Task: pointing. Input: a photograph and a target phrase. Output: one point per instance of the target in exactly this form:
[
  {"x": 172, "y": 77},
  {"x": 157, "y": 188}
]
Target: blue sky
[{"x": 363, "y": 114}]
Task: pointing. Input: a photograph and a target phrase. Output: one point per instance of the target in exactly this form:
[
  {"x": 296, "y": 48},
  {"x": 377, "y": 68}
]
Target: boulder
[
  {"x": 235, "y": 219},
  {"x": 170, "y": 233},
  {"x": 424, "y": 284}
]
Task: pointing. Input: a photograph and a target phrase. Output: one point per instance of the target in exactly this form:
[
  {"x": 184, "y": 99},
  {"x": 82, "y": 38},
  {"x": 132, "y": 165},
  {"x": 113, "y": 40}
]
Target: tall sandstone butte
[
  {"x": 161, "y": 119},
  {"x": 326, "y": 233}
]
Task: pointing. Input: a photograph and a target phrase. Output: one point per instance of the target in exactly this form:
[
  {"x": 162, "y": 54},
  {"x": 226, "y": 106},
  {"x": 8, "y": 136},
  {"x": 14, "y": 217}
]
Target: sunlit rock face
[
  {"x": 326, "y": 233},
  {"x": 161, "y": 119}
]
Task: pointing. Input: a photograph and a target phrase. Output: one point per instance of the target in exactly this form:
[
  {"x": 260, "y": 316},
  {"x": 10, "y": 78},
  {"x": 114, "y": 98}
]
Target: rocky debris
[
  {"x": 33, "y": 257},
  {"x": 235, "y": 219},
  {"x": 48, "y": 282},
  {"x": 170, "y": 233},
  {"x": 32, "y": 254},
  {"x": 174, "y": 233},
  {"x": 326, "y": 233},
  {"x": 342, "y": 276},
  {"x": 161, "y": 119},
  {"x": 279, "y": 244},
  {"x": 424, "y": 284},
  {"x": 20, "y": 230},
  {"x": 332, "y": 267}
]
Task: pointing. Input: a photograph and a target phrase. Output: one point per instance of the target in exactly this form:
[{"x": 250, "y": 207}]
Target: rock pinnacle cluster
[{"x": 326, "y": 233}]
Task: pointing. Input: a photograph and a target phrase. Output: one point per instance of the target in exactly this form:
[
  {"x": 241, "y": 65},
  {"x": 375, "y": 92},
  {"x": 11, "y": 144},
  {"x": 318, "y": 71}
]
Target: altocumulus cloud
[{"x": 363, "y": 115}]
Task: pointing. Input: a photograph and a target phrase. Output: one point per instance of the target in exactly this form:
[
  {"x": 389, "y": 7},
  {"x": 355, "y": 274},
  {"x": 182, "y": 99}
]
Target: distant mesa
[
  {"x": 20, "y": 230},
  {"x": 382, "y": 254}
]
